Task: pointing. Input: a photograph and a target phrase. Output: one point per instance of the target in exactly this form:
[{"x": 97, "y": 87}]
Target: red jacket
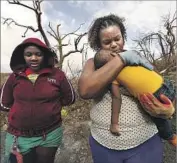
[{"x": 35, "y": 109}]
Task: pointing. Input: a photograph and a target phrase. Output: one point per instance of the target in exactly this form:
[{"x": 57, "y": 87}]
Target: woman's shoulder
[
  {"x": 89, "y": 67},
  {"x": 89, "y": 63},
  {"x": 12, "y": 76},
  {"x": 90, "y": 60},
  {"x": 58, "y": 73}
]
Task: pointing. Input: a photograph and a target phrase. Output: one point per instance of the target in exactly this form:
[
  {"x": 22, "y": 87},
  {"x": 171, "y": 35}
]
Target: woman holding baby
[{"x": 139, "y": 141}]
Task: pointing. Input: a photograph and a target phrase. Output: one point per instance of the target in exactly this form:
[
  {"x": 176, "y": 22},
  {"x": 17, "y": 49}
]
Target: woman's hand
[
  {"x": 132, "y": 57},
  {"x": 155, "y": 108}
]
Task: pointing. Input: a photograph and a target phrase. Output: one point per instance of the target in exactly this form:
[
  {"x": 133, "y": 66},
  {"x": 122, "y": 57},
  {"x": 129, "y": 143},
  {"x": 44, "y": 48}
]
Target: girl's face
[
  {"x": 111, "y": 39},
  {"x": 33, "y": 57}
]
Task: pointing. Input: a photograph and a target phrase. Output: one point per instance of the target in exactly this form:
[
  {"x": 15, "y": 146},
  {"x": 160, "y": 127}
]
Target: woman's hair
[{"x": 102, "y": 23}]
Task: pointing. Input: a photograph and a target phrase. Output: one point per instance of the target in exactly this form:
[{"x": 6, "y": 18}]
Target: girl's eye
[
  {"x": 28, "y": 54},
  {"x": 39, "y": 54}
]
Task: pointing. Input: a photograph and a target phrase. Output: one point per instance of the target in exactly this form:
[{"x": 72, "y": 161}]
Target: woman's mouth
[{"x": 34, "y": 65}]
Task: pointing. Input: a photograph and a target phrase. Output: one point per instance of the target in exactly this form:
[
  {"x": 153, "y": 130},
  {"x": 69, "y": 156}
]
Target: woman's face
[
  {"x": 33, "y": 57},
  {"x": 111, "y": 39}
]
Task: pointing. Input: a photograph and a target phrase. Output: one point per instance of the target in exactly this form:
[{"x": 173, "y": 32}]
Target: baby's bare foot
[
  {"x": 173, "y": 140},
  {"x": 114, "y": 128}
]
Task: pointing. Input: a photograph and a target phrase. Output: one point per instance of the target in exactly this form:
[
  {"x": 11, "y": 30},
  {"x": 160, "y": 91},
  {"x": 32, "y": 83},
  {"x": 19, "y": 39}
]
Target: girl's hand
[{"x": 156, "y": 108}]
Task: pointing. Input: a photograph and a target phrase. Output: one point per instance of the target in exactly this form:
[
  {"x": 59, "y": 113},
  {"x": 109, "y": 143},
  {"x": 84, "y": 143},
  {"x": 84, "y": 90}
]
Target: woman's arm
[{"x": 92, "y": 82}]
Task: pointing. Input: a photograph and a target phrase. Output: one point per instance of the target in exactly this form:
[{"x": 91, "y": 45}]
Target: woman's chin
[{"x": 35, "y": 68}]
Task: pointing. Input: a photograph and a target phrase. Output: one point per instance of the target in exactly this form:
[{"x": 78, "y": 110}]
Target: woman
[
  {"x": 34, "y": 95},
  {"x": 139, "y": 141}
]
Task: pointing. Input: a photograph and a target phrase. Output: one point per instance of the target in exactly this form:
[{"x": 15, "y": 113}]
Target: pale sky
[{"x": 140, "y": 16}]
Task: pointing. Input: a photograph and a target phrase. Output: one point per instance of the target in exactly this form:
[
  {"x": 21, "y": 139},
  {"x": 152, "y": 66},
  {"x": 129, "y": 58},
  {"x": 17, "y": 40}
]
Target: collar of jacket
[{"x": 42, "y": 71}]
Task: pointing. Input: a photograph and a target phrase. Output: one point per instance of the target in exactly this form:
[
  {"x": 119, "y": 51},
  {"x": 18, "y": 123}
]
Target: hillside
[{"x": 76, "y": 131}]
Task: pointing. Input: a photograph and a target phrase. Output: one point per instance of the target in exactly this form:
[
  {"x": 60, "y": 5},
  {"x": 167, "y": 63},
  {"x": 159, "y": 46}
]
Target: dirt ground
[
  {"x": 75, "y": 147},
  {"x": 82, "y": 154},
  {"x": 169, "y": 152}
]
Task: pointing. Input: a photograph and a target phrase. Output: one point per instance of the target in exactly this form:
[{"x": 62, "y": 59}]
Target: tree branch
[
  {"x": 36, "y": 7},
  {"x": 72, "y": 33},
  {"x": 38, "y": 13},
  {"x": 9, "y": 21},
  {"x": 52, "y": 33},
  {"x": 76, "y": 42},
  {"x": 17, "y": 2}
]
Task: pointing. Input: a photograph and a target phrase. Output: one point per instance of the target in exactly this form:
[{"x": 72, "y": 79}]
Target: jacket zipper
[
  {"x": 32, "y": 101},
  {"x": 32, "y": 107}
]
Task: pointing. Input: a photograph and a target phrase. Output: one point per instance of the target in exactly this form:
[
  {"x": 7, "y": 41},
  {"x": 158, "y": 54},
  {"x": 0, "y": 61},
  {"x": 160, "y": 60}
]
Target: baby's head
[{"x": 102, "y": 57}]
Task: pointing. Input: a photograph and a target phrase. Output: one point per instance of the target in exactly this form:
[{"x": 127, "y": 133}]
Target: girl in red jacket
[{"x": 34, "y": 95}]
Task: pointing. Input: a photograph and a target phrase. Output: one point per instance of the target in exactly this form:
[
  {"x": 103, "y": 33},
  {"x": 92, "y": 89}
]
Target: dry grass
[
  {"x": 79, "y": 113},
  {"x": 3, "y": 115}
]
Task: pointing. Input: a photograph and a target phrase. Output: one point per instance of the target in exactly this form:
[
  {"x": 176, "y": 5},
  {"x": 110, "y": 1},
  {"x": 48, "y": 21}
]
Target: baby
[{"x": 138, "y": 80}]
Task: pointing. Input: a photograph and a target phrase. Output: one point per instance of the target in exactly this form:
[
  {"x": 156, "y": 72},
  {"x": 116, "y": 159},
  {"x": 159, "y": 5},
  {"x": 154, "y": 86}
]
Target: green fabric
[
  {"x": 53, "y": 139},
  {"x": 33, "y": 77}
]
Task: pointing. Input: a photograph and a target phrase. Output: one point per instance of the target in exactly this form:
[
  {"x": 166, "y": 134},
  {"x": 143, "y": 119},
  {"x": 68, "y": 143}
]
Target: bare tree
[
  {"x": 84, "y": 56},
  {"x": 164, "y": 42},
  {"x": 36, "y": 8},
  {"x": 60, "y": 39}
]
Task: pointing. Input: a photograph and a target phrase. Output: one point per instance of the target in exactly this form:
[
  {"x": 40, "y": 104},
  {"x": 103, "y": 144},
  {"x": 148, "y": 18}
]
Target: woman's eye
[
  {"x": 117, "y": 39},
  {"x": 107, "y": 42}
]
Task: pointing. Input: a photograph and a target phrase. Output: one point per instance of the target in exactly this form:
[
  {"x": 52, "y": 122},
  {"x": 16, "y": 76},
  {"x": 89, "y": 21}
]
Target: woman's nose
[
  {"x": 113, "y": 45},
  {"x": 33, "y": 57}
]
